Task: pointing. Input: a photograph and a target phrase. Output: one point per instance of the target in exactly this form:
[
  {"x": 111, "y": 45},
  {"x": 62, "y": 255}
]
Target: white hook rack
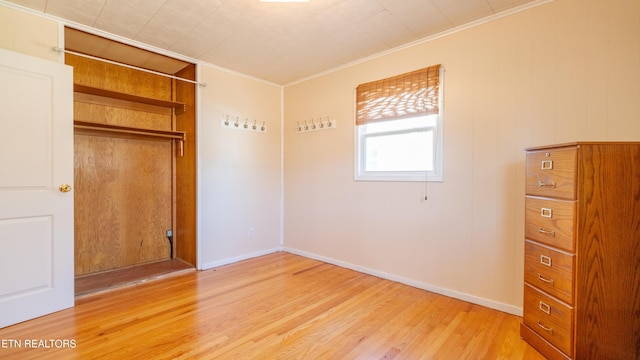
[
  {"x": 246, "y": 125},
  {"x": 315, "y": 125}
]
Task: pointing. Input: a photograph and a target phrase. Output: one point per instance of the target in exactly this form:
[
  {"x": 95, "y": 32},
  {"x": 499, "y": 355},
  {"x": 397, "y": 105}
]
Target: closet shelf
[
  {"x": 85, "y": 125},
  {"x": 179, "y": 107},
  {"x": 128, "y": 131}
]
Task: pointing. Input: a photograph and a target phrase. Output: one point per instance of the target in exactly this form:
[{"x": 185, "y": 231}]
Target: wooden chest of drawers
[{"x": 582, "y": 251}]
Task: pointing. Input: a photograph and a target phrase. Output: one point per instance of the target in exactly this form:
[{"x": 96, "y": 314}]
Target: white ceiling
[{"x": 276, "y": 42}]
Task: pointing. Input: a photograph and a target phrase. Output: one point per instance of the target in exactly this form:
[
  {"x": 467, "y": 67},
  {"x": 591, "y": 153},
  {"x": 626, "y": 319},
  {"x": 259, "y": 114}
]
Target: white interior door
[{"x": 36, "y": 158}]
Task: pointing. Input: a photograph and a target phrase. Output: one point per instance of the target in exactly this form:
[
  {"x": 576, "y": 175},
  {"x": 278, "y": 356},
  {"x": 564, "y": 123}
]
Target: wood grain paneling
[
  {"x": 552, "y": 173},
  {"x": 550, "y": 221},
  {"x": 186, "y": 195},
  {"x": 554, "y": 318},
  {"x": 112, "y": 77},
  {"x": 608, "y": 288},
  {"x": 125, "y": 185},
  {"x": 549, "y": 270},
  {"x": 122, "y": 202},
  {"x": 104, "y": 114}
]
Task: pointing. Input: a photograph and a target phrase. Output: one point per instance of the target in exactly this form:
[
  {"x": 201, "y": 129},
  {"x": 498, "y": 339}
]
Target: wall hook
[
  {"x": 316, "y": 125},
  {"x": 246, "y": 125}
]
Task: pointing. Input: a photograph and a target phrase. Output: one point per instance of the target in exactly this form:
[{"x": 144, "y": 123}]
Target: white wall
[
  {"x": 564, "y": 71},
  {"x": 239, "y": 171},
  {"x": 28, "y": 34}
]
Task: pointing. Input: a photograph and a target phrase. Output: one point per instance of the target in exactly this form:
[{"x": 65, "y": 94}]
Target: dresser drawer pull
[
  {"x": 548, "y": 281},
  {"x": 547, "y": 165},
  {"x": 545, "y": 308},
  {"x": 547, "y": 329},
  {"x": 545, "y": 260},
  {"x": 546, "y": 212},
  {"x": 547, "y": 232},
  {"x": 544, "y": 184}
]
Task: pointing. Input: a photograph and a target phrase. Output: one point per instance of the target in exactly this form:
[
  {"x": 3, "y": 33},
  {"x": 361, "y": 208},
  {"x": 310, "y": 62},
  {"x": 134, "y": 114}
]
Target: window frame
[{"x": 436, "y": 175}]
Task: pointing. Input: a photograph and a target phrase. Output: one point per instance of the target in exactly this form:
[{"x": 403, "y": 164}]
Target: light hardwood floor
[{"x": 278, "y": 306}]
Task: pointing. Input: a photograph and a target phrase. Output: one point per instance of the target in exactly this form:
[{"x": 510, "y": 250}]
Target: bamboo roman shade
[{"x": 406, "y": 95}]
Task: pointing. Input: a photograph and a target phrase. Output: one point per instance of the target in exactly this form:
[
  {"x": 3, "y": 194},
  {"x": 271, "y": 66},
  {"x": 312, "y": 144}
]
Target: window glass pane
[
  {"x": 404, "y": 124},
  {"x": 411, "y": 151}
]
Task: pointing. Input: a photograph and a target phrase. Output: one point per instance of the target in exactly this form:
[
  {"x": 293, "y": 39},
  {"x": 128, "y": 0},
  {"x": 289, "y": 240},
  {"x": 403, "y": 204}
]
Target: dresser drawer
[
  {"x": 550, "y": 221},
  {"x": 549, "y": 318},
  {"x": 551, "y": 173},
  {"x": 549, "y": 270}
]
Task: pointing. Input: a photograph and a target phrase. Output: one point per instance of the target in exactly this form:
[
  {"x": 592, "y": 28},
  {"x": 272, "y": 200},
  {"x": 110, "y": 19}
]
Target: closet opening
[{"x": 134, "y": 162}]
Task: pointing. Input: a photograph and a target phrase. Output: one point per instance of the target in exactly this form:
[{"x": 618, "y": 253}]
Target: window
[{"x": 399, "y": 133}]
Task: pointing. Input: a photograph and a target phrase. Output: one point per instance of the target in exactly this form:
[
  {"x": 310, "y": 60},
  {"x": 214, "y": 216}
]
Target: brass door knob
[{"x": 64, "y": 188}]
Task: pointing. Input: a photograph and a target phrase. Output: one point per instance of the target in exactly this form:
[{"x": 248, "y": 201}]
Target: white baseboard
[
  {"x": 232, "y": 260},
  {"x": 492, "y": 304}
]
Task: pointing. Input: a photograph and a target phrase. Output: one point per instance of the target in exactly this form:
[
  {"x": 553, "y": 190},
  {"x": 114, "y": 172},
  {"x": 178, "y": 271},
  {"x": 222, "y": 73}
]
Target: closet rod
[{"x": 60, "y": 50}]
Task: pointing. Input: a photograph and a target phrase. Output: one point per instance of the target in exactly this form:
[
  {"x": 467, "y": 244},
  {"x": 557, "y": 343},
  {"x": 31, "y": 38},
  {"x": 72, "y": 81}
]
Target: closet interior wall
[
  {"x": 186, "y": 169},
  {"x": 126, "y": 194}
]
